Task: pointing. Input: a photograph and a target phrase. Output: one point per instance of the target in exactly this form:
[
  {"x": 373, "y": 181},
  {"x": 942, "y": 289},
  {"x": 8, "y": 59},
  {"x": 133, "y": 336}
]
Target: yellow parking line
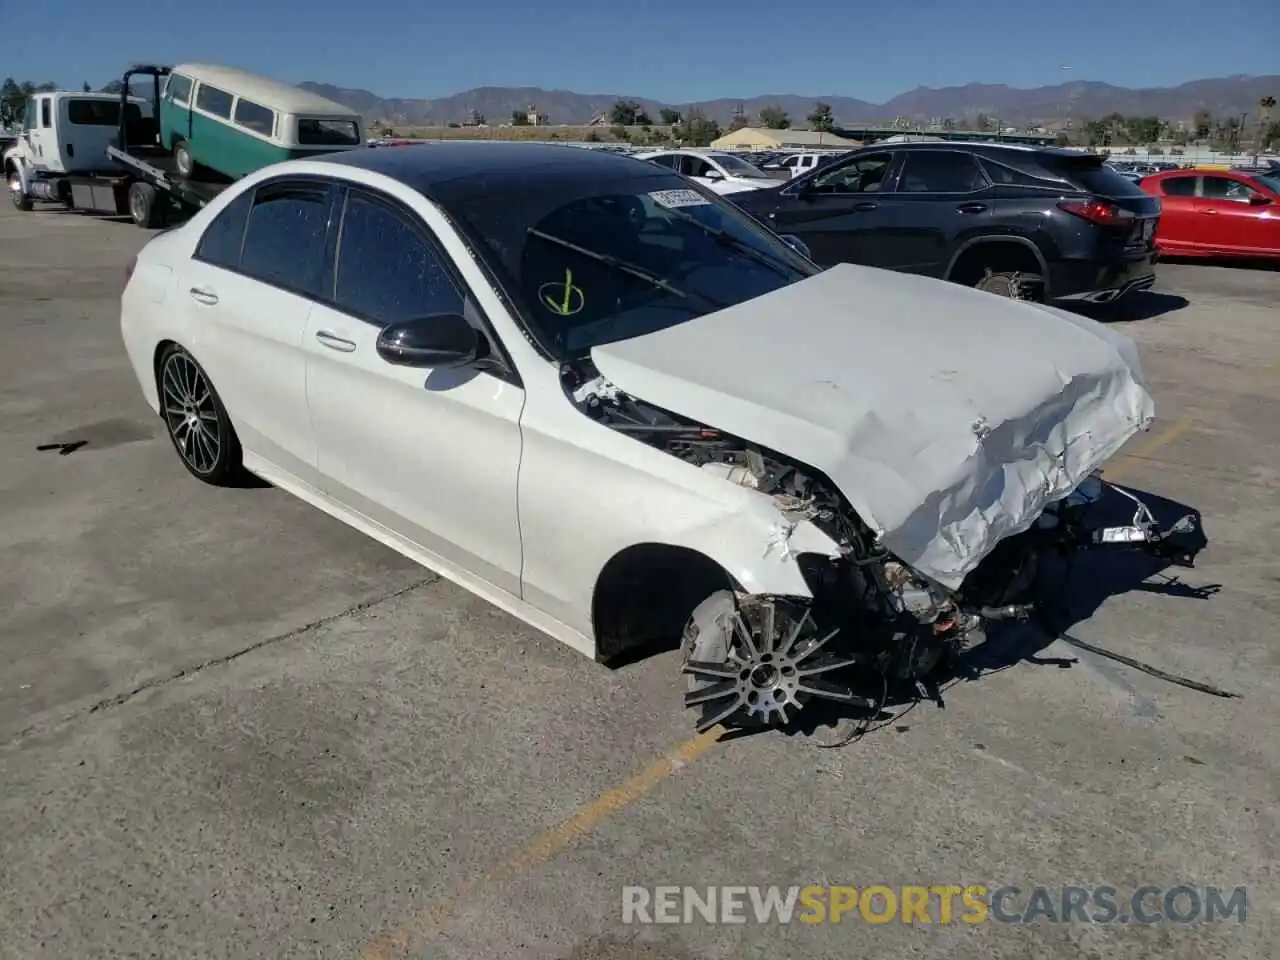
[
  {"x": 1128, "y": 462},
  {"x": 545, "y": 846},
  {"x": 548, "y": 844}
]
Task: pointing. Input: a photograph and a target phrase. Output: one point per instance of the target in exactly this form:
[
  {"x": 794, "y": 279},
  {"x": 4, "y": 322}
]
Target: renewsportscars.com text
[{"x": 933, "y": 904}]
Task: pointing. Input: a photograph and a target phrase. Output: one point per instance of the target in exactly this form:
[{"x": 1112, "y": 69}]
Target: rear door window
[
  {"x": 284, "y": 241},
  {"x": 94, "y": 113},
  {"x": 940, "y": 171}
]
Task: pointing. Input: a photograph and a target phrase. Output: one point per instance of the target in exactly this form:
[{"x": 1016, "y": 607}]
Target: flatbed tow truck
[{"x": 137, "y": 178}]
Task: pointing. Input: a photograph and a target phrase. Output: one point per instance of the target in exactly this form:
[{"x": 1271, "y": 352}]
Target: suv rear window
[
  {"x": 94, "y": 113},
  {"x": 1092, "y": 175}
]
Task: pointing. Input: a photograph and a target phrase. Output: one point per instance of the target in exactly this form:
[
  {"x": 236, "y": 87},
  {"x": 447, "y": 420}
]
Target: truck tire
[
  {"x": 20, "y": 200},
  {"x": 182, "y": 160},
  {"x": 146, "y": 206}
]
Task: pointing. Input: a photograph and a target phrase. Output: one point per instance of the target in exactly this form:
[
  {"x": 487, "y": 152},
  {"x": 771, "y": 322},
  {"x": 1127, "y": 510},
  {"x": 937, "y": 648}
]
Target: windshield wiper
[
  {"x": 741, "y": 246},
  {"x": 624, "y": 266}
]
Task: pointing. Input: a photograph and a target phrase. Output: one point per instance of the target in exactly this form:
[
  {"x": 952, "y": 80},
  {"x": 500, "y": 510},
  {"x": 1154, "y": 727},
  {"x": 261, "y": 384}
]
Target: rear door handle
[
  {"x": 335, "y": 342},
  {"x": 203, "y": 295},
  {"x": 865, "y": 206},
  {"x": 1208, "y": 213},
  {"x": 971, "y": 208}
]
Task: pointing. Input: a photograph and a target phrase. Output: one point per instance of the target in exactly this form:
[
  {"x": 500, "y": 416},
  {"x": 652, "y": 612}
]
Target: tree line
[
  {"x": 1223, "y": 133},
  {"x": 13, "y": 96}
]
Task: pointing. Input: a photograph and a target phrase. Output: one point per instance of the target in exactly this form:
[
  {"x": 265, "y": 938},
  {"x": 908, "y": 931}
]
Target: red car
[{"x": 1217, "y": 213}]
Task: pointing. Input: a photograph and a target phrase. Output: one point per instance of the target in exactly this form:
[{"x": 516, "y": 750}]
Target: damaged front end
[{"x": 872, "y": 622}]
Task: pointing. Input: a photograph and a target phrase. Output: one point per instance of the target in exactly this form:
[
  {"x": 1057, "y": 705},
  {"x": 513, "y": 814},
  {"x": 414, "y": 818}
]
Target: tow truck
[{"x": 101, "y": 154}]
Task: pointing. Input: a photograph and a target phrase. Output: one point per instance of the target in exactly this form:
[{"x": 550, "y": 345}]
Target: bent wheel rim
[{"x": 191, "y": 414}]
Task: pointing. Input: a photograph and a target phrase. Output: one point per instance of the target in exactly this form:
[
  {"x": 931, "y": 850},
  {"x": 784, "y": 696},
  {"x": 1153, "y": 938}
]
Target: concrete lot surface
[{"x": 230, "y": 727}]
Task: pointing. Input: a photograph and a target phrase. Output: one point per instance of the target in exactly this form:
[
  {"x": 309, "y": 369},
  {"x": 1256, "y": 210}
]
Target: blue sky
[{"x": 671, "y": 50}]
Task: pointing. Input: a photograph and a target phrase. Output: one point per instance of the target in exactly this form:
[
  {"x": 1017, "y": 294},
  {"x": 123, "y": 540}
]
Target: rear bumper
[{"x": 1092, "y": 282}]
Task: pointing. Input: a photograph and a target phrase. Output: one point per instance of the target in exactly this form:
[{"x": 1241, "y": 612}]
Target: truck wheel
[
  {"x": 20, "y": 199},
  {"x": 183, "y": 161},
  {"x": 146, "y": 207}
]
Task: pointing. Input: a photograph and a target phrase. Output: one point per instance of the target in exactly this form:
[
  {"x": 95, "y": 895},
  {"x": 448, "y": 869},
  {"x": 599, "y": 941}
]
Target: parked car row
[
  {"x": 1217, "y": 213},
  {"x": 1025, "y": 222}
]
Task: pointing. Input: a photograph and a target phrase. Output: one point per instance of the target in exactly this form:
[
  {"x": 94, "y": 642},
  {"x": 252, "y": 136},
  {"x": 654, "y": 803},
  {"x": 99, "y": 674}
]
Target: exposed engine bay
[{"x": 873, "y": 622}]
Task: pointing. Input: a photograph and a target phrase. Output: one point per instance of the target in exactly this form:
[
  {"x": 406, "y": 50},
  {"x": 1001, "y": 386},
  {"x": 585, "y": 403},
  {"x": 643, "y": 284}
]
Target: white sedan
[
  {"x": 608, "y": 402},
  {"x": 722, "y": 172}
]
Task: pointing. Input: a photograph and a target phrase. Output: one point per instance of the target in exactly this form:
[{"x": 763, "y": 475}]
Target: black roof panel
[{"x": 492, "y": 163}]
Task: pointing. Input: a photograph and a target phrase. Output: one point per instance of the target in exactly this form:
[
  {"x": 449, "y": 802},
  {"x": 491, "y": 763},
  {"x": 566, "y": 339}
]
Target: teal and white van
[{"x": 234, "y": 123}]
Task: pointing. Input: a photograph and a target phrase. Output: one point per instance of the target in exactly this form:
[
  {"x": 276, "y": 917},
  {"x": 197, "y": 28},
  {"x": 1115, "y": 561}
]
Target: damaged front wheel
[{"x": 756, "y": 662}]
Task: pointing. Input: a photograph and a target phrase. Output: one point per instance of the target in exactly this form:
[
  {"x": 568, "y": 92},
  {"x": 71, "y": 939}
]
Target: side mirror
[
  {"x": 440, "y": 341},
  {"x": 1258, "y": 200},
  {"x": 712, "y": 174},
  {"x": 796, "y": 244}
]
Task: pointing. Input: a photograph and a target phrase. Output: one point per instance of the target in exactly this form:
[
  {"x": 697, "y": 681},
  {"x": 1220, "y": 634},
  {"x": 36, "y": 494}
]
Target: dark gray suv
[{"x": 1028, "y": 222}]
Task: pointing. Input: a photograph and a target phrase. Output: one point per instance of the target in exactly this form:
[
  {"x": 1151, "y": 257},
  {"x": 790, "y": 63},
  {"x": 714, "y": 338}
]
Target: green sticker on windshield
[
  {"x": 562, "y": 298},
  {"x": 679, "y": 198}
]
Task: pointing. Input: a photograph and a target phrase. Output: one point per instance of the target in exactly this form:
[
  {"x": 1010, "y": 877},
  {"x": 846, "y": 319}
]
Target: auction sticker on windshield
[{"x": 679, "y": 198}]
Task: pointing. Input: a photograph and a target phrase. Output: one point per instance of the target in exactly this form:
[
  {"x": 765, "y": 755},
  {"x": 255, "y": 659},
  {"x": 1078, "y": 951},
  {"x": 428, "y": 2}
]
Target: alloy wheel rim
[
  {"x": 136, "y": 206},
  {"x": 190, "y": 413}
]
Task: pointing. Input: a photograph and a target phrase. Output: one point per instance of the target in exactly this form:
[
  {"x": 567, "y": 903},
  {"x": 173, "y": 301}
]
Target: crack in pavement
[{"x": 121, "y": 698}]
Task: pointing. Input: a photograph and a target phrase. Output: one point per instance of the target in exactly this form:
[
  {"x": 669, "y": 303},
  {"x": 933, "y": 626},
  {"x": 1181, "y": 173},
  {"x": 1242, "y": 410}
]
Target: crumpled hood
[{"x": 949, "y": 417}]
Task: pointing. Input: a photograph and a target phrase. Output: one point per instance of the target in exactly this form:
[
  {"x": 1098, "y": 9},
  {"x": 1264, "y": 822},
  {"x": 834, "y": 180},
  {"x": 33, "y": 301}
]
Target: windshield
[
  {"x": 596, "y": 262},
  {"x": 737, "y": 167}
]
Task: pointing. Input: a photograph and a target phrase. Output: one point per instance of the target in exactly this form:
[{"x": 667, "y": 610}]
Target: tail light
[{"x": 1102, "y": 212}]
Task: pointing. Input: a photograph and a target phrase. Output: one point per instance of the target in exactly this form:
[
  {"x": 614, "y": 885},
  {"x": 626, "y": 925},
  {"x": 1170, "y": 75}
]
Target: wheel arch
[
  {"x": 644, "y": 594},
  {"x": 970, "y": 250}
]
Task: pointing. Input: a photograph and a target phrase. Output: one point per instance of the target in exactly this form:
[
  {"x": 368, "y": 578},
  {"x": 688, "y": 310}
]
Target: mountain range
[{"x": 1080, "y": 100}]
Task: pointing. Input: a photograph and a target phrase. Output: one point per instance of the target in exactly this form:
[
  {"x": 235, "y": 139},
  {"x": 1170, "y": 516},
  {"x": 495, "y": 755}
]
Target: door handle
[
  {"x": 865, "y": 206},
  {"x": 1208, "y": 213},
  {"x": 971, "y": 208},
  {"x": 203, "y": 295},
  {"x": 335, "y": 342}
]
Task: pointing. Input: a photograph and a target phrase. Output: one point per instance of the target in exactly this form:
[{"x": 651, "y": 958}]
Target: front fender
[{"x": 758, "y": 547}]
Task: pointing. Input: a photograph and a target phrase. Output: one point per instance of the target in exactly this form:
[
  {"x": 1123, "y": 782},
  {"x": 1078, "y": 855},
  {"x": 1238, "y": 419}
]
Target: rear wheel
[
  {"x": 182, "y": 159},
  {"x": 146, "y": 205},
  {"x": 196, "y": 420},
  {"x": 1008, "y": 283}
]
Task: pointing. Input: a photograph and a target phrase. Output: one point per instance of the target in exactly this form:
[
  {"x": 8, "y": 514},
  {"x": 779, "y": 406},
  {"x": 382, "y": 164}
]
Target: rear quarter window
[
  {"x": 1095, "y": 177},
  {"x": 93, "y": 113}
]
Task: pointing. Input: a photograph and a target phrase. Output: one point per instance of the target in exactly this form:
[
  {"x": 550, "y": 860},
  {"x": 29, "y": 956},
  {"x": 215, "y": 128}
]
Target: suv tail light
[{"x": 1102, "y": 212}]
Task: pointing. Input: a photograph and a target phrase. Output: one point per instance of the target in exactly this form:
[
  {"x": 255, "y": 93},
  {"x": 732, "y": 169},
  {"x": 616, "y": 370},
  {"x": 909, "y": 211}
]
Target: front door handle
[
  {"x": 1208, "y": 213},
  {"x": 335, "y": 342},
  {"x": 865, "y": 206},
  {"x": 971, "y": 208},
  {"x": 203, "y": 295}
]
